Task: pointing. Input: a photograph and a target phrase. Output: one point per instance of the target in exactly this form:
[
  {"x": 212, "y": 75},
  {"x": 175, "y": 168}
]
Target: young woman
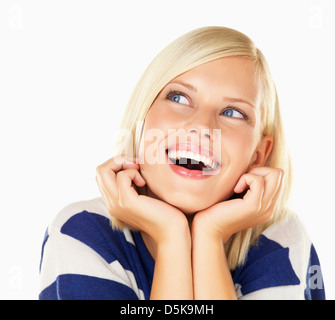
[{"x": 194, "y": 203}]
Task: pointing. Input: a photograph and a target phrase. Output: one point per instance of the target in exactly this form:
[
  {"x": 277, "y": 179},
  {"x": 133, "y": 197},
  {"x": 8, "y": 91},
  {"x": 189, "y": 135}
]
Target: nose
[
  {"x": 201, "y": 124},
  {"x": 204, "y": 133}
]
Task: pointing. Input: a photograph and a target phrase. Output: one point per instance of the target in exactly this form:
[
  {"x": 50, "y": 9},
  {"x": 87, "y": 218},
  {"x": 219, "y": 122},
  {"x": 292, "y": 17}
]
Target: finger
[
  {"x": 106, "y": 180},
  {"x": 273, "y": 179},
  {"x": 277, "y": 193},
  {"x": 267, "y": 216},
  {"x": 255, "y": 184},
  {"x": 120, "y": 162},
  {"x": 106, "y": 173},
  {"x": 250, "y": 181},
  {"x": 273, "y": 186},
  {"x": 125, "y": 179}
]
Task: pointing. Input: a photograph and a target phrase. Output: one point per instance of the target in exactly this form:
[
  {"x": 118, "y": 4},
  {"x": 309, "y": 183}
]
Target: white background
[{"x": 67, "y": 69}]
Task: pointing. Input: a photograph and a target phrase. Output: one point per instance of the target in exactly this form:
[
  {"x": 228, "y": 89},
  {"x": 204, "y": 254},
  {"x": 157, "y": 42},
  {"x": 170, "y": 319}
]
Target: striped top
[{"x": 84, "y": 258}]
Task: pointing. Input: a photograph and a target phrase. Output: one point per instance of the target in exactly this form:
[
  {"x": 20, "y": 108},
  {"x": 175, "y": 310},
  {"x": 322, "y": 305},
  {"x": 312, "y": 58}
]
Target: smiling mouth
[{"x": 192, "y": 161}]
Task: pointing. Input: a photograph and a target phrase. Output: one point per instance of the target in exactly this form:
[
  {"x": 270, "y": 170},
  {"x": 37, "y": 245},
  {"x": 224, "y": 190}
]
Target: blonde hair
[{"x": 191, "y": 50}]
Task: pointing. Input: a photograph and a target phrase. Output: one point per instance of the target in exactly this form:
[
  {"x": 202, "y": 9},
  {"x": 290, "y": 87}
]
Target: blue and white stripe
[{"x": 83, "y": 257}]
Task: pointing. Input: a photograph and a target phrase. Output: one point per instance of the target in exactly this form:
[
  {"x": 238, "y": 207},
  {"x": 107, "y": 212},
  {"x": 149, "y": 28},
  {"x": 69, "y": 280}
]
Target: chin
[{"x": 187, "y": 203}]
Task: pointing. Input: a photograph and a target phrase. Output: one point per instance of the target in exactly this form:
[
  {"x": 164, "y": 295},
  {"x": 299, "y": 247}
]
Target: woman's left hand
[{"x": 256, "y": 207}]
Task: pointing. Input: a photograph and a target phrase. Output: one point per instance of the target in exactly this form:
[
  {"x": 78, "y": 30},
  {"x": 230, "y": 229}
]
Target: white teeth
[
  {"x": 177, "y": 154},
  {"x": 197, "y": 157},
  {"x": 189, "y": 155}
]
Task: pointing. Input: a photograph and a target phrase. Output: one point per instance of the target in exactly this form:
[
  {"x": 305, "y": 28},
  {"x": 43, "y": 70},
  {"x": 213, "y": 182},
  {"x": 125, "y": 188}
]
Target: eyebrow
[
  {"x": 228, "y": 99},
  {"x": 184, "y": 84},
  {"x": 238, "y": 100}
]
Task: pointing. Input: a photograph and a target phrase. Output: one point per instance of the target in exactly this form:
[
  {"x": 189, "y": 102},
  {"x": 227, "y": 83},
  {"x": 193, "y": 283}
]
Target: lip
[{"x": 193, "y": 174}]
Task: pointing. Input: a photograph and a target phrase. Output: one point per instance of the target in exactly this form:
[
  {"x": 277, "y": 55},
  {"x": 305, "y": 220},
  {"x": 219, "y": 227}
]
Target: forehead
[{"x": 230, "y": 76}]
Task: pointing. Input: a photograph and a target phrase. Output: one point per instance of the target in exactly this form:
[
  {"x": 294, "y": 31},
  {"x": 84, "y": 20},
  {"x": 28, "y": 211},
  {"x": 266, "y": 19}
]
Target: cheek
[
  {"x": 160, "y": 116},
  {"x": 152, "y": 149},
  {"x": 238, "y": 146},
  {"x": 237, "y": 150}
]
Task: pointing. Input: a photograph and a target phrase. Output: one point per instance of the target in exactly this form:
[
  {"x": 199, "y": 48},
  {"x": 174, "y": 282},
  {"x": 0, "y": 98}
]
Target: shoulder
[
  {"x": 80, "y": 243},
  {"x": 85, "y": 218},
  {"x": 96, "y": 206},
  {"x": 288, "y": 232},
  {"x": 278, "y": 265},
  {"x": 87, "y": 223}
]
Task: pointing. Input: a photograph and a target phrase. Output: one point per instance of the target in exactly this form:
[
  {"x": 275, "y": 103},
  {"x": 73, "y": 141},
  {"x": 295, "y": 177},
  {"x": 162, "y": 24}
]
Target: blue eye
[
  {"x": 177, "y": 97},
  {"x": 232, "y": 113}
]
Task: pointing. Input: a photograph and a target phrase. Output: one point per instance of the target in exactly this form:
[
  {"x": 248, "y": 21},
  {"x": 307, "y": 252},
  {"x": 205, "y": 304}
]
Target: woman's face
[{"x": 202, "y": 133}]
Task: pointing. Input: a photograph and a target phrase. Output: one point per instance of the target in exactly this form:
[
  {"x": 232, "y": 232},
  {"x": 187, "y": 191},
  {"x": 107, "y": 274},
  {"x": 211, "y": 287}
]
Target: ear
[{"x": 262, "y": 152}]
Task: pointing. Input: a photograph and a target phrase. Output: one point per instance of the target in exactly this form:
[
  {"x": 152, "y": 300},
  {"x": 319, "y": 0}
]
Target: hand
[
  {"x": 256, "y": 207},
  {"x": 117, "y": 180}
]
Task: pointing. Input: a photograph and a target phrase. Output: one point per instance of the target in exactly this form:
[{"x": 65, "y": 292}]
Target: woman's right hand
[{"x": 115, "y": 179}]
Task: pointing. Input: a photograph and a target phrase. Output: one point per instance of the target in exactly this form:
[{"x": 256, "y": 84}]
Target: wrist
[
  {"x": 174, "y": 235},
  {"x": 206, "y": 229}
]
